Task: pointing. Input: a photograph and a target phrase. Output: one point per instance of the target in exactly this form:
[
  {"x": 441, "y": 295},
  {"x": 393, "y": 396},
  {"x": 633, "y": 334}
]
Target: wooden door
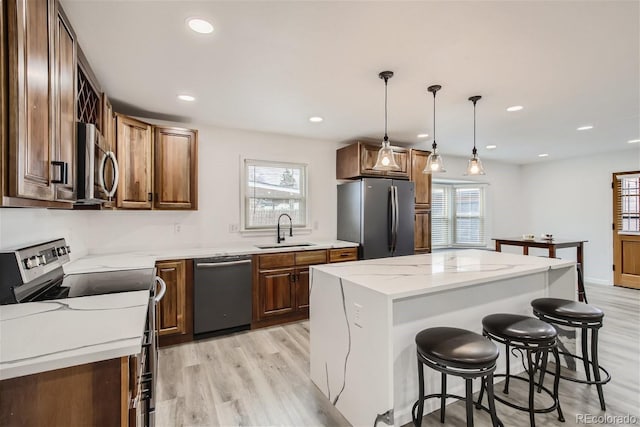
[
  {"x": 30, "y": 29},
  {"x": 421, "y": 180},
  {"x": 3, "y": 106},
  {"x": 302, "y": 288},
  {"x": 277, "y": 292},
  {"x": 64, "y": 147},
  {"x": 176, "y": 168},
  {"x": 422, "y": 232},
  {"x": 134, "y": 159},
  {"x": 172, "y": 308},
  {"x": 626, "y": 229}
]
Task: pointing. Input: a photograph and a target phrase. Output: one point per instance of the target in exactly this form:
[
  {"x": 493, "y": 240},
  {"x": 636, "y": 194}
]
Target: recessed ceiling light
[
  {"x": 188, "y": 98},
  {"x": 200, "y": 25},
  {"x": 543, "y": 155},
  {"x": 315, "y": 119},
  {"x": 515, "y": 108},
  {"x": 422, "y": 135},
  {"x": 491, "y": 147},
  {"x": 633, "y": 141},
  {"x": 585, "y": 127}
]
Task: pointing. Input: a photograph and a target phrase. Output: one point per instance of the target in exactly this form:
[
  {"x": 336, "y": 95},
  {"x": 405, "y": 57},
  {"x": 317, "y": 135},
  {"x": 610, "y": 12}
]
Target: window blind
[
  {"x": 440, "y": 217},
  {"x": 457, "y": 215},
  {"x": 628, "y": 203}
]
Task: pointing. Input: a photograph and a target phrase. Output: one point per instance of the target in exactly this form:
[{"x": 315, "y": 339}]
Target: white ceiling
[{"x": 271, "y": 65}]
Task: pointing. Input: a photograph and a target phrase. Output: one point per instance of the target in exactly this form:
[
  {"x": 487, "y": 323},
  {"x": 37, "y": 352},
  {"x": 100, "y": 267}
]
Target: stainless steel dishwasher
[{"x": 222, "y": 294}]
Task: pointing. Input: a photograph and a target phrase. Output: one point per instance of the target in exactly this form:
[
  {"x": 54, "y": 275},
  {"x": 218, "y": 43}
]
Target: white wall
[{"x": 573, "y": 199}]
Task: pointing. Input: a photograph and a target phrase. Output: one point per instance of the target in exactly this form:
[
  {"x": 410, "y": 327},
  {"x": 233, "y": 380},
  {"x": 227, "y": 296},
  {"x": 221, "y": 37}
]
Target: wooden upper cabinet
[
  {"x": 134, "y": 160},
  {"x": 3, "y": 105},
  {"x": 31, "y": 106},
  {"x": 358, "y": 159},
  {"x": 64, "y": 78},
  {"x": 108, "y": 123},
  {"x": 176, "y": 168},
  {"x": 421, "y": 180}
]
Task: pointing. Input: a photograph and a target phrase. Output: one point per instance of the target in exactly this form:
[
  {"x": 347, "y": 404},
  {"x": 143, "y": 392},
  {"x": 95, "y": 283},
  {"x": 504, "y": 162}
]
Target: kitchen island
[{"x": 364, "y": 316}]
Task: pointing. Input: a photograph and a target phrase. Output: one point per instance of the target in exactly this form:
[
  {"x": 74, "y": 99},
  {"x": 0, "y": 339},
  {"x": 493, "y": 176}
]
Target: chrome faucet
[{"x": 281, "y": 239}]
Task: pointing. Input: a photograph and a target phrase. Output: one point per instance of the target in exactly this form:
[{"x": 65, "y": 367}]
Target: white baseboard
[{"x": 599, "y": 282}]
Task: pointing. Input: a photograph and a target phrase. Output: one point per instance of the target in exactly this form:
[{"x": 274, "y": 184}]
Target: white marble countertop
[
  {"x": 42, "y": 336},
  {"x": 407, "y": 276},
  {"x": 147, "y": 259}
]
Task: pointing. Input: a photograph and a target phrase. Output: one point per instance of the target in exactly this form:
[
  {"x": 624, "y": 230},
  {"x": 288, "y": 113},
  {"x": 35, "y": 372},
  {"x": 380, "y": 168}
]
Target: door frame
[{"x": 620, "y": 278}]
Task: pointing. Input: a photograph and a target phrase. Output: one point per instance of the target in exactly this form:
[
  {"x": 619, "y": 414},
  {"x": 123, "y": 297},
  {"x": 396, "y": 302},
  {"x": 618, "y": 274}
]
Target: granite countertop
[
  {"x": 413, "y": 275},
  {"x": 42, "y": 336},
  {"x": 147, "y": 259}
]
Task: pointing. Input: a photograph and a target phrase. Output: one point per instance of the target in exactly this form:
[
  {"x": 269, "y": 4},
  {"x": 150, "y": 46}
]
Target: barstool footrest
[
  {"x": 450, "y": 396},
  {"x": 579, "y": 380},
  {"x": 524, "y": 408}
]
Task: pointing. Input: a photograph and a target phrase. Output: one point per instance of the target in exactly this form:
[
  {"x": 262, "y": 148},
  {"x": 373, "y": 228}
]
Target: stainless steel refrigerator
[{"x": 378, "y": 213}]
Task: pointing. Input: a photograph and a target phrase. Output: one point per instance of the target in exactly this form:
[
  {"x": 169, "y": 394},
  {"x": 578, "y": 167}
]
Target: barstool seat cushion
[
  {"x": 456, "y": 347},
  {"x": 518, "y": 327},
  {"x": 567, "y": 309}
]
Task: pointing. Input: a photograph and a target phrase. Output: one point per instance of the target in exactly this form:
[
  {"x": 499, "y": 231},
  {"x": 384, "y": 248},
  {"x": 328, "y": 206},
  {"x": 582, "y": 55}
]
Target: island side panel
[
  {"x": 361, "y": 388},
  {"x": 462, "y": 308}
]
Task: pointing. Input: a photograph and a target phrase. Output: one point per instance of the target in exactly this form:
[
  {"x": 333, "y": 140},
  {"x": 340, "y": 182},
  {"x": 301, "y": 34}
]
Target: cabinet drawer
[
  {"x": 276, "y": 260},
  {"x": 344, "y": 254},
  {"x": 311, "y": 257}
]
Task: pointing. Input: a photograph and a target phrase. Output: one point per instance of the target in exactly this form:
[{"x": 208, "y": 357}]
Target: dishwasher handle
[{"x": 221, "y": 264}]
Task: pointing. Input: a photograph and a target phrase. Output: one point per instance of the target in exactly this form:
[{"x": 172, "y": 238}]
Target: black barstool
[
  {"x": 534, "y": 337},
  {"x": 576, "y": 315},
  {"x": 461, "y": 353}
]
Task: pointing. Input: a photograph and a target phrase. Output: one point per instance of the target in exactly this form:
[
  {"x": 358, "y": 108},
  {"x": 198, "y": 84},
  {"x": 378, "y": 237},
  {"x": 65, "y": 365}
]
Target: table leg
[
  {"x": 525, "y": 250},
  {"x": 498, "y": 247},
  {"x": 552, "y": 251},
  {"x": 579, "y": 257}
]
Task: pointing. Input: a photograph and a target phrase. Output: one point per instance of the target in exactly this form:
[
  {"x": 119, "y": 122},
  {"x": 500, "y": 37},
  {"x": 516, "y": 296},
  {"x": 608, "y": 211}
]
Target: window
[
  {"x": 272, "y": 189},
  {"x": 629, "y": 203},
  {"x": 457, "y": 215}
]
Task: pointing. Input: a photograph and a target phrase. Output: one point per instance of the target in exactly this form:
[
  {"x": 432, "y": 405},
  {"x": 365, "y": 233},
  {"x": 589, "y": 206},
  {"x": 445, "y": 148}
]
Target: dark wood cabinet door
[
  {"x": 302, "y": 288},
  {"x": 64, "y": 147},
  {"x": 30, "y": 25},
  {"x": 134, "y": 160},
  {"x": 277, "y": 292},
  {"x": 176, "y": 168},
  {"x": 422, "y": 232},
  {"x": 3, "y": 105},
  {"x": 172, "y": 308},
  {"x": 422, "y": 181}
]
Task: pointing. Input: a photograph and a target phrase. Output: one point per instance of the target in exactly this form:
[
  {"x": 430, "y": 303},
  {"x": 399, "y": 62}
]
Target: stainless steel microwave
[{"x": 97, "y": 167}]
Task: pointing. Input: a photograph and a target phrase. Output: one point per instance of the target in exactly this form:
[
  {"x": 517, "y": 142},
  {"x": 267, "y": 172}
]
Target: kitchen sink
[{"x": 284, "y": 245}]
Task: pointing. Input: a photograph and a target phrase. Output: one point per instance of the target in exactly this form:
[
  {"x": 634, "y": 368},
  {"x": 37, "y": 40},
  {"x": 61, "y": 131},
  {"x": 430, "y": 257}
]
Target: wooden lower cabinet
[
  {"x": 281, "y": 283},
  {"x": 422, "y": 232},
  {"x": 175, "y": 310},
  {"x": 102, "y": 393}
]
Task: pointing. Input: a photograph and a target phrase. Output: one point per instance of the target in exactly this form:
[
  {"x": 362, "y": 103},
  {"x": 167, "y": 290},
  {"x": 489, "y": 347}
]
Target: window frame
[
  {"x": 450, "y": 188},
  {"x": 245, "y": 196}
]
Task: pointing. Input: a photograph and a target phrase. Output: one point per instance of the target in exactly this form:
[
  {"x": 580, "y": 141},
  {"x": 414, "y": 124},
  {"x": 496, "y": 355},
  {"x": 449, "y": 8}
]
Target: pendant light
[
  {"x": 434, "y": 161},
  {"x": 475, "y": 164},
  {"x": 386, "y": 160}
]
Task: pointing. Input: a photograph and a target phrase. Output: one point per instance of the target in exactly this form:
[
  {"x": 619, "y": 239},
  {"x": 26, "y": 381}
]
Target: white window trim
[
  {"x": 453, "y": 184},
  {"x": 301, "y": 229}
]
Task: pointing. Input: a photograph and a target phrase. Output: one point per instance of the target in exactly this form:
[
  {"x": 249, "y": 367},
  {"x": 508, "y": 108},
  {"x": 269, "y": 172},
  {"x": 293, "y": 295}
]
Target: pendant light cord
[
  {"x": 434, "y": 121},
  {"x": 386, "y": 137},
  {"x": 474, "y": 127}
]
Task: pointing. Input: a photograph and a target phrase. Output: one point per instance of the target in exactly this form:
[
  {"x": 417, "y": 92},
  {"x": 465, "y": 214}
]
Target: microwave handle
[
  {"x": 163, "y": 289},
  {"x": 109, "y": 155}
]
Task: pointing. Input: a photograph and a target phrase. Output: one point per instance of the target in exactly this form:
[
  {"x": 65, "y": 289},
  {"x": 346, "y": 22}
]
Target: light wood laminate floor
[{"x": 261, "y": 378}]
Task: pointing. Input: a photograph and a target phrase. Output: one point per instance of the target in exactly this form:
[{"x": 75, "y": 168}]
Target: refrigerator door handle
[
  {"x": 392, "y": 218},
  {"x": 397, "y": 214}
]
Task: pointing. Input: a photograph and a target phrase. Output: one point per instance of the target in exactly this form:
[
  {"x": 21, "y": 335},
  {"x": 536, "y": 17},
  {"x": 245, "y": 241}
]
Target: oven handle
[
  {"x": 163, "y": 289},
  {"x": 221, "y": 264}
]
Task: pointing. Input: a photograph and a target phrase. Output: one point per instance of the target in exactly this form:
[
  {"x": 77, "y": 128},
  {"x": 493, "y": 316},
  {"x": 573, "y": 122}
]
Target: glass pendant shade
[
  {"x": 435, "y": 164},
  {"x": 474, "y": 167},
  {"x": 386, "y": 160}
]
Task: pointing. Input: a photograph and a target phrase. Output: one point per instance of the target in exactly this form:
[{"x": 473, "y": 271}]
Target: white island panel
[{"x": 388, "y": 301}]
